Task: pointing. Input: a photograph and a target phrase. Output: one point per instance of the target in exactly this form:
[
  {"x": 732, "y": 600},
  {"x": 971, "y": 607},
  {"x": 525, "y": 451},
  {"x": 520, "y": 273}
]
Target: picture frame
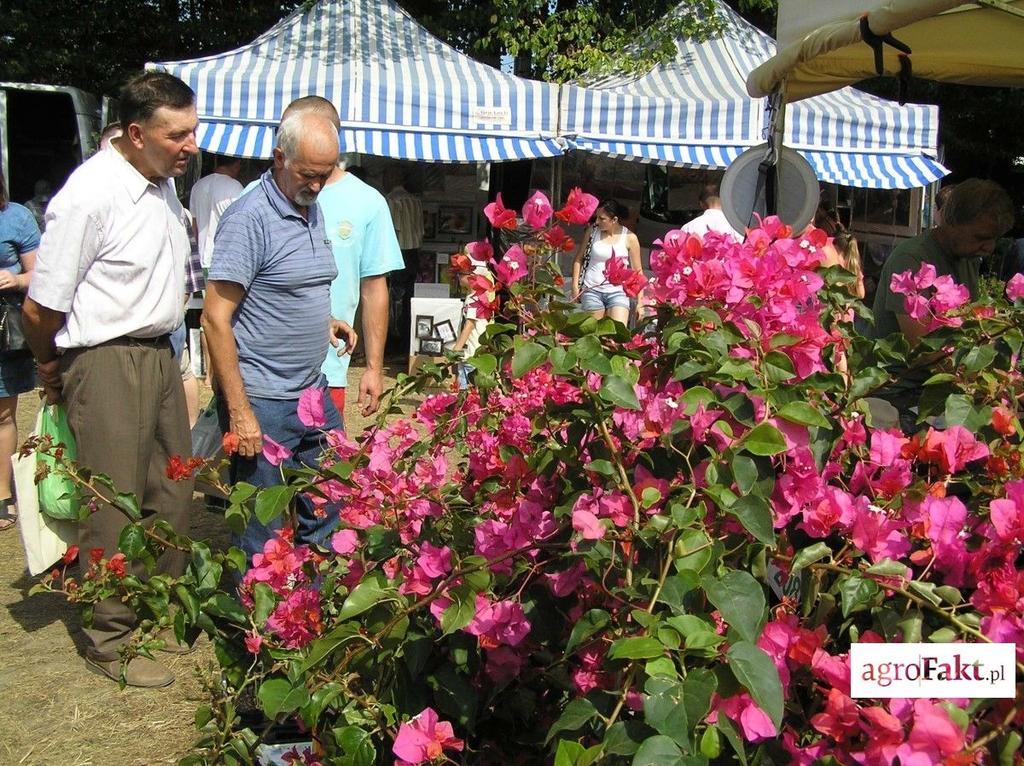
[
  {"x": 454, "y": 220},
  {"x": 424, "y": 326},
  {"x": 444, "y": 330},
  {"x": 431, "y": 346}
]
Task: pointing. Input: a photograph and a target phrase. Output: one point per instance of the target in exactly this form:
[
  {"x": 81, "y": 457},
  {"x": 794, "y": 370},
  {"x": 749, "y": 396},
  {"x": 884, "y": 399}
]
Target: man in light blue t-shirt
[{"x": 358, "y": 224}]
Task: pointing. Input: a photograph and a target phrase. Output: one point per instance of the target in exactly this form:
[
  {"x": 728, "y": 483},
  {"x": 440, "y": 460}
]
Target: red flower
[
  {"x": 499, "y": 215},
  {"x": 619, "y": 273},
  {"x": 558, "y": 239},
  {"x": 1002, "y": 421},
  {"x": 230, "y": 443},
  {"x": 95, "y": 554},
  {"x": 71, "y": 554},
  {"x": 579, "y": 206},
  {"x": 117, "y": 565},
  {"x": 179, "y": 470}
]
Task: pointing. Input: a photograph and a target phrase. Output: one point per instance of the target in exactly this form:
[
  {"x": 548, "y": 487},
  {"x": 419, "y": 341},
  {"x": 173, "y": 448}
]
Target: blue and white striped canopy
[
  {"x": 695, "y": 111},
  {"x": 401, "y": 92}
]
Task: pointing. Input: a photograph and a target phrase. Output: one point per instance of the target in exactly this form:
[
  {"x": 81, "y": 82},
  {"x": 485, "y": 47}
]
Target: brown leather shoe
[
  {"x": 141, "y": 671},
  {"x": 172, "y": 645}
]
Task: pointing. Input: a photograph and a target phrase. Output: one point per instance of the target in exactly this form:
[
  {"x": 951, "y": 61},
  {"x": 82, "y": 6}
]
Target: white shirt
[
  {"x": 407, "y": 216},
  {"x": 210, "y": 197},
  {"x": 112, "y": 258},
  {"x": 712, "y": 219}
]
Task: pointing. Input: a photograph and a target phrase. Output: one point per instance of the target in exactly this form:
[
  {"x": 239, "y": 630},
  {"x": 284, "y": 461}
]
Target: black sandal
[{"x": 8, "y": 514}]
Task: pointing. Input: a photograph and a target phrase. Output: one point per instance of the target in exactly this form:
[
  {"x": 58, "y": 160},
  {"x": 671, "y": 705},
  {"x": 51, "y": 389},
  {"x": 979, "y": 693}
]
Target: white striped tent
[
  {"x": 401, "y": 92},
  {"x": 695, "y": 111}
]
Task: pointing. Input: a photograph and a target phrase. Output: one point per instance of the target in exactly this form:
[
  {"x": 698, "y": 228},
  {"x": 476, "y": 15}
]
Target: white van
[{"x": 46, "y": 131}]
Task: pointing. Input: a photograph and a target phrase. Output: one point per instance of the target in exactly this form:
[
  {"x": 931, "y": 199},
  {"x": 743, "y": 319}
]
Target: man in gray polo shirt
[{"x": 267, "y": 314}]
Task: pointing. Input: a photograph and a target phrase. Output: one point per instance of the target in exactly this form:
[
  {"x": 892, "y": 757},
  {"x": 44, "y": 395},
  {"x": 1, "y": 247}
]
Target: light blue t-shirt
[
  {"x": 284, "y": 263},
  {"x": 358, "y": 223},
  {"x": 19, "y": 234}
]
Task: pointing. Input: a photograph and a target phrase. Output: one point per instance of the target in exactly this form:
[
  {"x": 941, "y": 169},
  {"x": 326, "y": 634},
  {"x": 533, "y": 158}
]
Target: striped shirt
[{"x": 284, "y": 263}]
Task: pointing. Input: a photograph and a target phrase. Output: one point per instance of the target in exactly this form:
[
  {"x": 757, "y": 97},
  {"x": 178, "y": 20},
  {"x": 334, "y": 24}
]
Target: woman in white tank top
[{"x": 606, "y": 238}]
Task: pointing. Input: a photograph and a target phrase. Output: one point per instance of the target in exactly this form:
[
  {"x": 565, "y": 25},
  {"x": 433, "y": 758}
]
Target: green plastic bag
[{"x": 59, "y": 497}]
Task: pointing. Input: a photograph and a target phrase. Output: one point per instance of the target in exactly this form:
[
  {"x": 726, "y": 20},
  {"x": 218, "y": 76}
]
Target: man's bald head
[{"x": 316, "y": 105}]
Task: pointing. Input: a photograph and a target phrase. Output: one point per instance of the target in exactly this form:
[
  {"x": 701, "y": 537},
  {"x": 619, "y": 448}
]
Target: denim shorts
[
  {"x": 599, "y": 300},
  {"x": 17, "y": 373}
]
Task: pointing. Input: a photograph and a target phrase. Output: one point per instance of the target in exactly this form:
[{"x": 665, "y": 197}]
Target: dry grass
[{"x": 54, "y": 710}]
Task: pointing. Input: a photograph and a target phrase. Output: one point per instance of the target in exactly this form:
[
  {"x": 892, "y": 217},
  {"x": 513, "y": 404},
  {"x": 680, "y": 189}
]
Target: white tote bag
[{"x": 45, "y": 539}]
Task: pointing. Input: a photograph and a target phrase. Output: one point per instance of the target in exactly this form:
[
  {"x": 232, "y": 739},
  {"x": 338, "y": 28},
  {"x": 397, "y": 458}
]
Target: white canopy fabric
[
  {"x": 400, "y": 91},
  {"x": 821, "y": 47},
  {"x": 695, "y": 111}
]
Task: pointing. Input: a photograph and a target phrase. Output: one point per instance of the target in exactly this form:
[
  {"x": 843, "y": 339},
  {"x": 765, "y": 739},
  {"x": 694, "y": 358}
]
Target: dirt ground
[{"x": 54, "y": 710}]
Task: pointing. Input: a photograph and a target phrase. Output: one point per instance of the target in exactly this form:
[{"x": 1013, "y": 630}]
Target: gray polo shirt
[{"x": 284, "y": 263}]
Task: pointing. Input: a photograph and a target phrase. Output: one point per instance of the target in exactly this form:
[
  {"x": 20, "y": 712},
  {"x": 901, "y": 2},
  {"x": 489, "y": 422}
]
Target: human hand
[
  {"x": 371, "y": 386},
  {"x": 250, "y": 436},
  {"x": 49, "y": 377},
  {"x": 338, "y": 330},
  {"x": 7, "y": 280}
]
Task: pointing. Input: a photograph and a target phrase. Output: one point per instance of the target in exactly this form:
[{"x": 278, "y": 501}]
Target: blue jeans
[
  {"x": 462, "y": 375},
  {"x": 278, "y": 419}
]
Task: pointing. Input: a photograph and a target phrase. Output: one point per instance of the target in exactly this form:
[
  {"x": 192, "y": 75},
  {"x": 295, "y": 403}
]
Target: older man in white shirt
[
  {"x": 107, "y": 292},
  {"x": 712, "y": 219}
]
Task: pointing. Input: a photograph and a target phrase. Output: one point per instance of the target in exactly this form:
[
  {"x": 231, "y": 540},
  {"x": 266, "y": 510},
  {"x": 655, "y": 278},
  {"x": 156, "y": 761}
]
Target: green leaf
[
  {"x": 926, "y": 590},
  {"x": 619, "y": 391},
  {"x": 264, "y": 601},
  {"x": 710, "y": 746},
  {"x": 223, "y": 606},
  {"x": 744, "y": 472},
  {"x": 357, "y": 744},
  {"x": 725, "y": 726},
  {"x": 366, "y": 594},
  {"x": 128, "y": 503},
  {"x": 778, "y": 367},
  {"x": 979, "y": 357},
  {"x": 562, "y": 360},
  {"x": 658, "y": 750},
  {"x": 740, "y": 599},
  {"x": 698, "y": 688},
  {"x": 460, "y": 612},
  {"x": 664, "y": 710},
  {"x": 755, "y": 516},
  {"x": 485, "y": 364},
  {"x": 809, "y": 555},
  {"x": 272, "y": 502},
  {"x": 803, "y": 414},
  {"x": 568, "y": 752},
  {"x": 755, "y": 670},
  {"x": 857, "y": 593},
  {"x": 132, "y": 541},
  {"x": 620, "y": 739},
  {"x": 585, "y": 627},
  {"x": 603, "y": 467},
  {"x": 636, "y": 648},
  {"x": 575, "y": 716},
  {"x": 693, "y": 397},
  {"x": 277, "y": 696},
  {"x": 526, "y": 357},
  {"x": 764, "y": 439},
  {"x": 324, "y": 645}
]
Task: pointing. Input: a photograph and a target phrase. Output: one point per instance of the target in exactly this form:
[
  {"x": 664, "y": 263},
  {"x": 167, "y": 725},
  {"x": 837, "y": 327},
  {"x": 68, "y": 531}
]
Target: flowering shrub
[{"x": 649, "y": 548}]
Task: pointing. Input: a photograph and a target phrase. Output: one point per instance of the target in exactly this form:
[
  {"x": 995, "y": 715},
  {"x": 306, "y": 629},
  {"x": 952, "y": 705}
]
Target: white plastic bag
[{"x": 45, "y": 539}]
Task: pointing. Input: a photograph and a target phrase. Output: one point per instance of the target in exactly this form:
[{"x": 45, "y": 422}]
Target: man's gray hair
[
  {"x": 977, "y": 198},
  {"x": 294, "y": 127}
]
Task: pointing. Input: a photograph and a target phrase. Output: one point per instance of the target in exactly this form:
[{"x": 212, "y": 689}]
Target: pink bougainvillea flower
[
  {"x": 579, "y": 206},
  {"x": 499, "y": 215},
  {"x": 253, "y": 642},
  {"x": 344, "y": 542},
  {"x": 424, "y": 738},
  {"x": 434, "y": 561},
  {"x": 1015, "y": 287},
  {"x": 296, "y": 620},
  {"x": 480, "y": 251},
  {"x": 951, "y": 449},
  {"x": 512, "y": 267},
  {"x": 311, "y": 408},
  {"x": 587, "y": 524},
  {"x": 537, "y": 210},
  {"x": 1007, "y": 514},
  {"x": 501, "y": 622},
  {"x": 754, "y": 723},
  {"x": 933, "y": 738},
  {"x": 274, "y": 452}
]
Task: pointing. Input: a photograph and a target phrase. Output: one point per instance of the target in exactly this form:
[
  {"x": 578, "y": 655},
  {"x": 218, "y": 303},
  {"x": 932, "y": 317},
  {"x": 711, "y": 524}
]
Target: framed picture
[
  {"x": 444, "y": 331},
  {"x": 454, "y": 220},
  {"x": 429, "y": 224},
  {"x": 424, "y": 326},
  {"x": 431, "y": 346}
]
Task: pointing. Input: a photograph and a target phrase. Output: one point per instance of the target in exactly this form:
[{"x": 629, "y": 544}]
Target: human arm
[
  {"x": 41, "y": 326},
  {"x": 912, "y": 330},
  {"x": 222, "y": 300},
  {"x": 373, "y": 298},
  {"x": 464, "y": 333},
  {"x": 25, "y": 239}
]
